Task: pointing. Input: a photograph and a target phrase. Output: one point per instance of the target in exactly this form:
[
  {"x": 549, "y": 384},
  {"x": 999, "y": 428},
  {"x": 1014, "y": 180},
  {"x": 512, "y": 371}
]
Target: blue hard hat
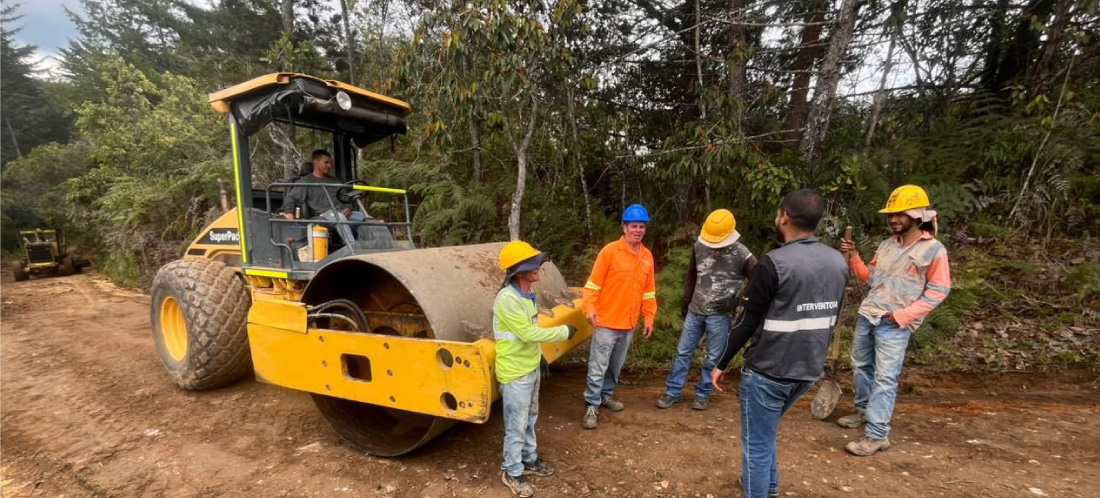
[{"x": 635, "y": 213}]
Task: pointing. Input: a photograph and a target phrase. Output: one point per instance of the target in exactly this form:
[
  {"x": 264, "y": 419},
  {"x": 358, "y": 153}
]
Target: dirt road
[{"x": 87, "y": 411}]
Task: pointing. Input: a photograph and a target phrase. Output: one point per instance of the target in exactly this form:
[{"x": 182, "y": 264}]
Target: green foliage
[
  {"x": 153, "y": 152},
  {"x": 945, "y": 320},
  {"x": 953, "y": 202},
  {"x": 448, "y": 212},
  {"x": 35, "y": 188},
  {"x": 989, "y": 230},
  {"x": 658, "y": 350},
  {"x": 1086, "y": 279}
]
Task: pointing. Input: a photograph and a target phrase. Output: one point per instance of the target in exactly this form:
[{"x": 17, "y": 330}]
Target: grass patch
[{"x": 1085, "y": 278}]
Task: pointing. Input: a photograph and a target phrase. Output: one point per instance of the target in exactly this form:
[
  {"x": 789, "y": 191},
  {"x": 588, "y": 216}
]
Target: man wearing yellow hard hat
[
  {"x": 518, "y": 356},
  {"x": 909, "y": 277},
  {"x": 719, "y": 263}
]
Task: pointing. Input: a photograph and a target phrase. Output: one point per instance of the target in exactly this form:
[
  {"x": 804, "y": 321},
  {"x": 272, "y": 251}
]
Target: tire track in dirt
[{"x": 90, "y": 379}]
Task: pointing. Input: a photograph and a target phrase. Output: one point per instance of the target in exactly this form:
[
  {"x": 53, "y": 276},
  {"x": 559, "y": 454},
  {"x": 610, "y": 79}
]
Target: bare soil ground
[{"x": 87, "y": 411}]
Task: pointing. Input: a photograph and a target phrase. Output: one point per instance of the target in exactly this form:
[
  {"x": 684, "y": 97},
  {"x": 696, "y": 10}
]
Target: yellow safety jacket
[{"x": 517, "y": 334}]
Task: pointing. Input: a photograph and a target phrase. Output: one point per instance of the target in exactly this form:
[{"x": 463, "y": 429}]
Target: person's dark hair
[
  {"x": 805, "y": 208},
  {"x": 320, "y": 152}
]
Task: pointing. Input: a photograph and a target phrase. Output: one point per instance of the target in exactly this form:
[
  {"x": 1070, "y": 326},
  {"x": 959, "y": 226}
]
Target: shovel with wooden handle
[{"x": 829, "y": 393}]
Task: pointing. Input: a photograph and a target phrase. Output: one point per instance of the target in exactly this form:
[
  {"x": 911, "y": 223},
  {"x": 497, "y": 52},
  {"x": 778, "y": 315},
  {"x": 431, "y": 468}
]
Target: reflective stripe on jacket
[
  {"x": 793, "y": 340},
  {"x": 910, "y": 281},
  {"x": 621, "y": 287},
  {"x": 517, "y": 334}
]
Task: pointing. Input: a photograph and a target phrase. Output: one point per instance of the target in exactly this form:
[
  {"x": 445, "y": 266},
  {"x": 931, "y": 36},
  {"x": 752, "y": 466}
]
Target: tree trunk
[
  {"x": 517, "y": 196},
  {"x": 349, "y": 40},
  {"x": 579, "y": 164},
  {"x": 1010, "y": 58},
  {"x": 283, "y": 135},
  {"x": 699, "y": 66},
  {"x": 995, "y": 41},
  {"x": 915, "y": 60},
  {"x": 803, "y": 68},
  {"x": 14, "y": 142},
  {"x": 475, "y": 145},
  {"x": 699, "y": 91},
  {"x": 473, "y": 123},
  {"x": 382, "y": 21},
  {"x": 876, "y": 108},
  {"x": 521, "y": 168},
  {"x": 291, "y": 156},
  {"x": 1050, "y": 47},
  {"x": 817, "y": 125},
  {"x": 736, "y": 60},
  {"x": 287, "y": 11}
]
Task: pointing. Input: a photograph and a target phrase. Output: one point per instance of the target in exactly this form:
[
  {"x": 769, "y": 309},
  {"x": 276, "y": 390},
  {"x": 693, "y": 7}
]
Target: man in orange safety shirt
[{"x": 621, "y": 288}]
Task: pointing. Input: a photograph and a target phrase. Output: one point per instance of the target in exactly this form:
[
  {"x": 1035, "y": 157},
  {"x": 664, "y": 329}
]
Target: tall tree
[
  {"x": 29, "y": 118},
  {"x": 893, "y": 27},
  {"x": 1009, "y": 54},
  {"x": 496, "y": 58},
  {"x": 1051, "y": 46},
  {"x": 808, "y": 49},
  {"x": 825, "y": 92},
  {"x": 349, "y": 40}
]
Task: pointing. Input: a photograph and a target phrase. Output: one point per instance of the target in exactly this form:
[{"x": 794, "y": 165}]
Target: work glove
[{"x": 572, "y": 331}]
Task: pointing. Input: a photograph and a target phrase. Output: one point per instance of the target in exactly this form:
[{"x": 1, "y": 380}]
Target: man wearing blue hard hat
[{"x": 621, "y": 288}]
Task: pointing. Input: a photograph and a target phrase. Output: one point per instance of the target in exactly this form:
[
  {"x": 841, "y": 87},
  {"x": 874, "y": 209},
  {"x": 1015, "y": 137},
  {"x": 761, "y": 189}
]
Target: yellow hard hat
[
  {"x": 515, "y": 253},
  {"x": 904, "y": 198},
  {"x": 719, "y": 230}
]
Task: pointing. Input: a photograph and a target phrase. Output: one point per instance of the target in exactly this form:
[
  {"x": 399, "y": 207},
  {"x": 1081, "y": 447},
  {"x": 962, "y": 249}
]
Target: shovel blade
[{"x": 825, "y": 400}]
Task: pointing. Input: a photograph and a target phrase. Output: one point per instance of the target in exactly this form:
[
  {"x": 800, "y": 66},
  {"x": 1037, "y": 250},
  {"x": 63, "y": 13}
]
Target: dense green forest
[{"x": 543, "y": 119}]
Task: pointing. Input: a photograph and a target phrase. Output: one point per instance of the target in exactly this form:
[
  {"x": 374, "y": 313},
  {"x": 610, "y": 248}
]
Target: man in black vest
[{"x": 791, "y": 307}]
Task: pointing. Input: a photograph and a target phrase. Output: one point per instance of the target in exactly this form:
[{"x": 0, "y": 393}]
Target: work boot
[
  {"x": 700, "y": 403},
  {"x": 852, "y": 421},
  {"x": 666, "y": 401},
  {"x": 519, "y": 485},
  {"x": 539, "y": 467},
  {"x": 590, "y": 421},
  {"x": 867, "y": 446},
  {"x": 612, "y": 404}
]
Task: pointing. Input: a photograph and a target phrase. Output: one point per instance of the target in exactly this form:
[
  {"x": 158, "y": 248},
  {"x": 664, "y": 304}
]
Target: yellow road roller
[{"x": 394, "y": 343}]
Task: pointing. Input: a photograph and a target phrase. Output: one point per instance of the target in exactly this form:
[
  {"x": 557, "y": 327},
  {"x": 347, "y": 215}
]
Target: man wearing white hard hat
[{"x": 719, "y": 263}]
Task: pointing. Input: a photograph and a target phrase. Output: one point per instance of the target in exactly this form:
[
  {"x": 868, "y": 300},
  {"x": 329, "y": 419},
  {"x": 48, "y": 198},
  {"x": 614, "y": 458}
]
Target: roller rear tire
[{"x": 199, "y": 315}]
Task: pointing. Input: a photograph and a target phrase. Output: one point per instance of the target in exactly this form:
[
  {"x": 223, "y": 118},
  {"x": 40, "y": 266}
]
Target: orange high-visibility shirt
[{"x": 621, "y": 287}]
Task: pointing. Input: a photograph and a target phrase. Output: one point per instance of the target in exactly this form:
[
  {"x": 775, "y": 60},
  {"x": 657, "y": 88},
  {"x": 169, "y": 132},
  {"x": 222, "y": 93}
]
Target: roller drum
[{"x": 444, "y": 293}]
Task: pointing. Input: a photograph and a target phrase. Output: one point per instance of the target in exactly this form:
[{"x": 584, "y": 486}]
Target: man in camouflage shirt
[{"x": 719, "y": 263}]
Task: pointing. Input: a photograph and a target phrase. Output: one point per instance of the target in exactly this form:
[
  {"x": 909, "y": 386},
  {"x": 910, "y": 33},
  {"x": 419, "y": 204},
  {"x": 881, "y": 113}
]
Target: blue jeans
[
  {"x": 344, "y": 230},
  {"x": 763, "y": 402},
  {"x": 717, "y": 330},
  {"x": 878, "y": 352},
  {"x": 521, "y": 410},
  {"x": 606, "y": 356}
]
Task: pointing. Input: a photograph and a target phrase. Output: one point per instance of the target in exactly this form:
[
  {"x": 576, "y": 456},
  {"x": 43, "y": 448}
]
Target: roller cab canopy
[
  {"x": 312, "y": 102},
  {"x": 271, "y": 243}
]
